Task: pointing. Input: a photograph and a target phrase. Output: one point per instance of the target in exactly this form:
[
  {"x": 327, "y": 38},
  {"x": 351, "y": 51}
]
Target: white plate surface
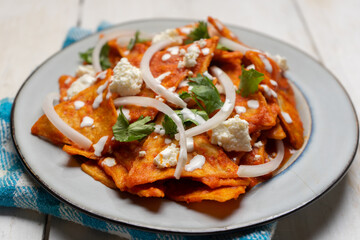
[{"x": 325, "y": 159}]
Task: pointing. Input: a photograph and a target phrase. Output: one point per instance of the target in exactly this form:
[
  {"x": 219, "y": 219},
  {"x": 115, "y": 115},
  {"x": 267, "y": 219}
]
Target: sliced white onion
[
  {"x": 150, "y": 102},
  {"x": 102, "y": 41},
  {"x": 76, "y": 137},
  {"x": 149, "y": 78},
  {"x": 225, "y": 110},
  {"x": 235, "y": 46},
  {"x": 262, "y": 169}
]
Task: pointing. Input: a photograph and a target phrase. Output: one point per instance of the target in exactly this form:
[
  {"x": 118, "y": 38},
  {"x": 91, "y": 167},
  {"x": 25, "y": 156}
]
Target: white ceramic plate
[{"x": 321, "y": 164}]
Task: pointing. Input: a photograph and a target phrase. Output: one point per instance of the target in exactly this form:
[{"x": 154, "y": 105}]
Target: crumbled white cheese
[
  {"x": 282, "y": 62},
  {"x": 173, "y": 50},
  {"x": 168, "y": 34},
  {"x": 286, "y": 117},
  {"x": 232, "y": 135},
  {"x": 142, "y": 153},
  {"x": 190, "y": 57},
  {"x": 240, "y": 109},
  {"x": 86, "y": 122},
  {"x": 257, "y": 157},
  {"x": 167, "y": 157},
  {"x": 258, "y": 144},
  {"x": 80, "y": 84},
  {"x": 167, "y": 140},
  {"x": 186, "y": 30},
  {"x": 127, "y": 79},
  {"x": 202, "y": 43},
  {"x": 205, "y": 51},
  {"x": 109, "y": 162},
  {"x": 85, "y": 69},
  {"x": 165, "y": 57},
  {"x": 254, "y": 104},
  {"x": 159, "y": 130},
  {"x": 78, "y": 104},
  {"x": 196, "y": 162}
]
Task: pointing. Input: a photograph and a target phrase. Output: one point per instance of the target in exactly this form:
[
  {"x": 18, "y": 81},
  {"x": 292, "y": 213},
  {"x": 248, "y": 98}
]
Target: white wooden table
[{"x": 329, "y": 30}]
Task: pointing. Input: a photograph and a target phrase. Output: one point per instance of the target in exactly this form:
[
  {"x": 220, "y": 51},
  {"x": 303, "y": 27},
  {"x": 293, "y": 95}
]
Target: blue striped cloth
[{"x": 18, "y": 189}]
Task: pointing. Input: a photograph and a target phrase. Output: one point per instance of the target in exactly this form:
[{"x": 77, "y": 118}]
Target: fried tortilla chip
[
  {"x": 91, "y": 168},
  {"x": 190, "y": 191},
  {"x": 144, "y": 170},
  {"x": 294, "y": 129},
  {"x": 104, "y": 118},
  {"x": 159, "y": 66}
]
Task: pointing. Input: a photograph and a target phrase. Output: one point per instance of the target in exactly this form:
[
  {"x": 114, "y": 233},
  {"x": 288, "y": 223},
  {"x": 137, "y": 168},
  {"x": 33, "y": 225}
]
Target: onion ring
[
  {"x": 150, "y": 102},
  {"x": 76, "y": 137}
]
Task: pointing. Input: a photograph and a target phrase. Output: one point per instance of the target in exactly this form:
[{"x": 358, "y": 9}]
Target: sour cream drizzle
[{"x": 99, "y": 146}]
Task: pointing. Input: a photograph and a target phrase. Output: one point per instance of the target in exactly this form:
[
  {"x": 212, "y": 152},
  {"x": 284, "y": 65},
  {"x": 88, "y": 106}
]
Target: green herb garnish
[
  {"x": 104, "y": 56},
  {"x": 135, "y": 40},
  {"x": 204, "y": 93},
  {"x": 125, "y": 132},
  {"x": 170, "y": 126},
  {"x": 249, "y": 81},
  {"x": 200, "y": 32}
]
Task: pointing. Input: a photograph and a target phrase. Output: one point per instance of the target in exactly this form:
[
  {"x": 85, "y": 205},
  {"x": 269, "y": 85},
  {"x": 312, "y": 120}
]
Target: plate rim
[{"x": 196, "y": 232}]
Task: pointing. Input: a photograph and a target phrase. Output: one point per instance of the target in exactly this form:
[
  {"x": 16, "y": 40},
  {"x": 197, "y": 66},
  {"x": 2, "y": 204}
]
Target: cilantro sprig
[
  {"x": 104, "y": 56},
  {"x": 135, "y": 39},
  {"x": 249, "y": 81},
  {"x": 204, "y": 93},
  {"x": 200, "y": 32},
  {"x": 125, "y": 132},
  {"x": 170, "y": 126}
]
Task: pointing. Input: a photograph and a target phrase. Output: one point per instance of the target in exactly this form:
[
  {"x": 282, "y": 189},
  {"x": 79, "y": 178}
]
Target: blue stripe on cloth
[{"x": 17, "y": 189}]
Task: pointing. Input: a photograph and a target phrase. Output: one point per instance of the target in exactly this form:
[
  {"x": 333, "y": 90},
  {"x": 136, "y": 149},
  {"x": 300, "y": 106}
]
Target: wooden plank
[
  {"x": 274, "y": 18},
  {"x": 30, "y": 32},
  {"x": 20, "y": 224},
  {"x": 64, "y": 230},
  {"x": 333, "y": 26}
]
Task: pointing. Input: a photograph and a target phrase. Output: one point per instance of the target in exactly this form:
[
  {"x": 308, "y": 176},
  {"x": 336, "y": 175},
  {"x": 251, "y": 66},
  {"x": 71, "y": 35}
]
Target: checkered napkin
[{"x": 17, "y": 189}]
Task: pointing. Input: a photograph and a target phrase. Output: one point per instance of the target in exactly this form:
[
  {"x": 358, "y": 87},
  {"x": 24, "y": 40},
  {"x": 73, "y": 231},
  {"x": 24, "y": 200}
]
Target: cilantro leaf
[
  {"x": 187, "y": 121},
  {"x": 205, "y": 91},
  {"x": 104, "y": 56},
  {"x": 136, "y": 39},
  {"x": 170, "y": 126},
  {"x": 125, "y": 132},
  {"x": 249, "y": 81},
  {"x": 198, "y": 33}
]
